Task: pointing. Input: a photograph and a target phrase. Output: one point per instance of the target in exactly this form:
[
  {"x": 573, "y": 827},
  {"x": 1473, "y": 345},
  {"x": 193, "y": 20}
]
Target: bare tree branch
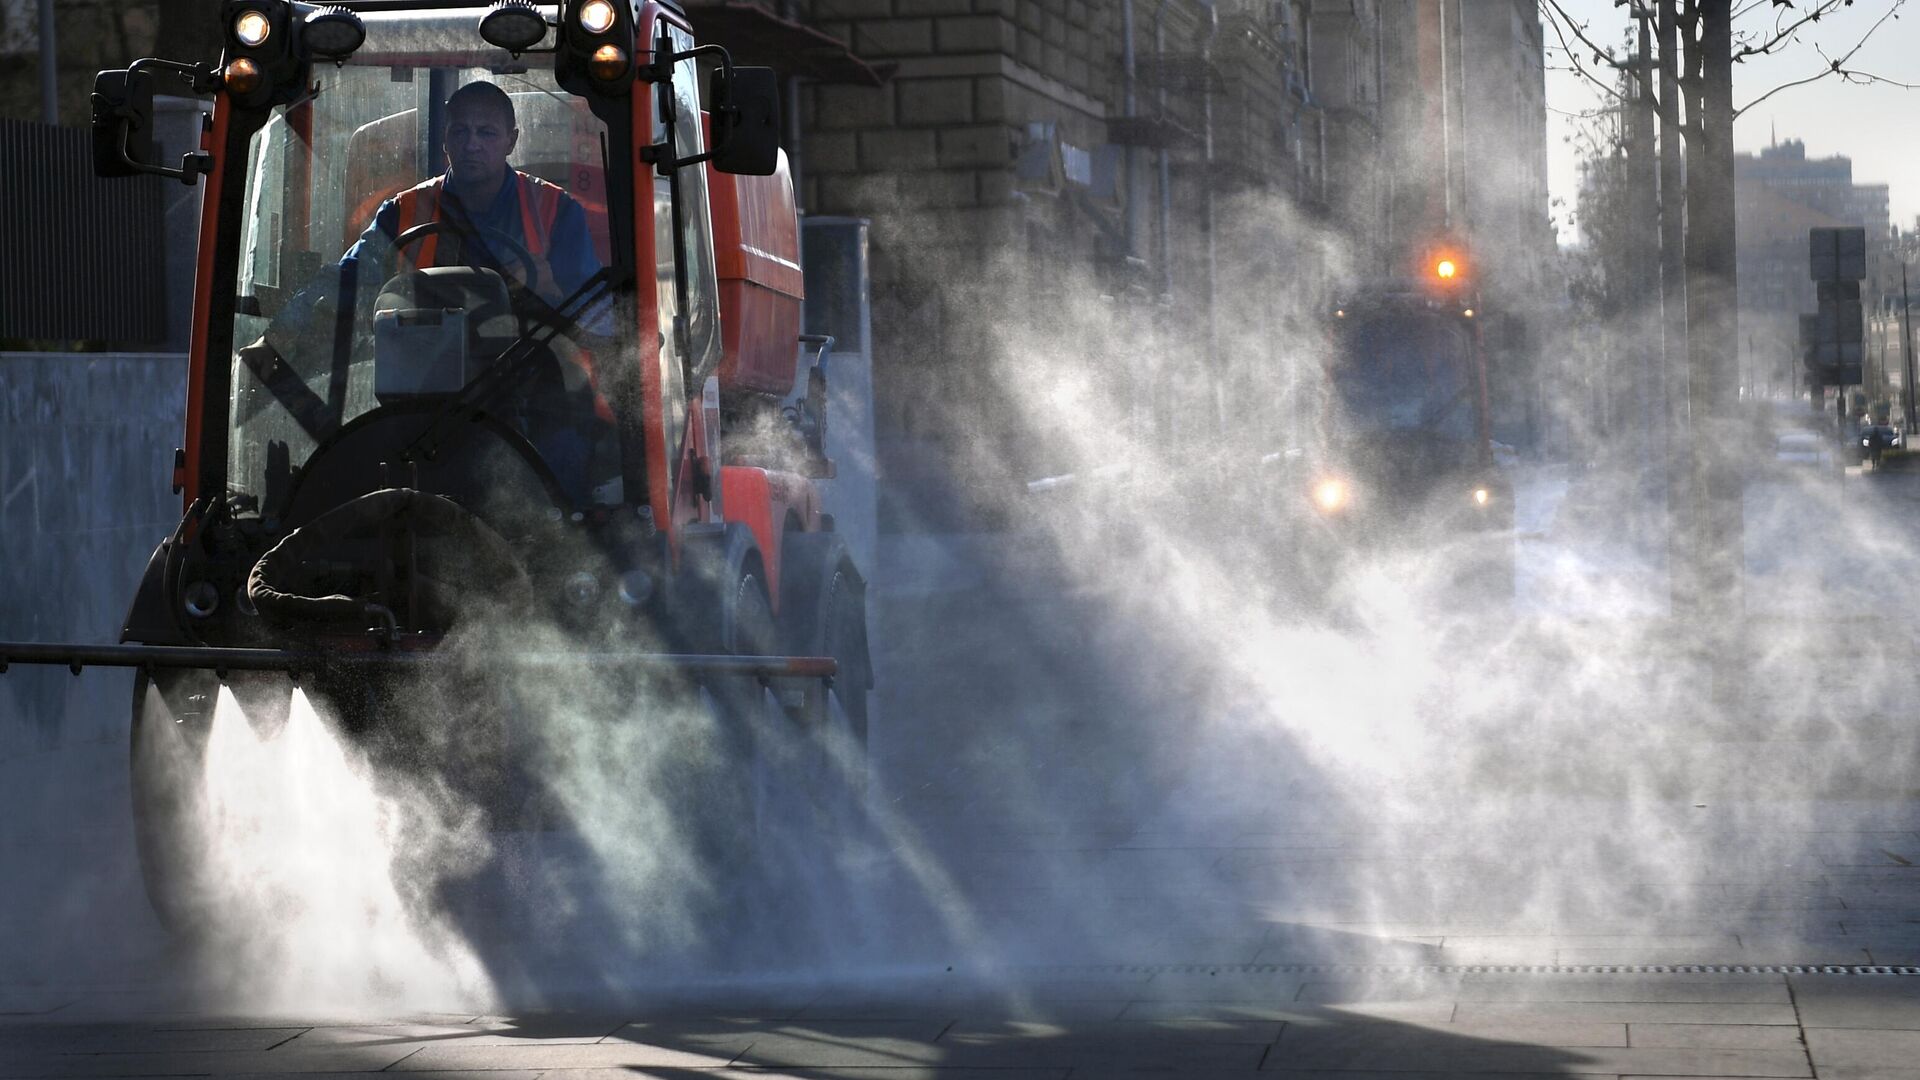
[
  {"x": 1557, "y": 17},
  {"x": 1868, "y": 78},
  {"x": 1784, "y": 32},
  {"x": 1837, "y": 67}
]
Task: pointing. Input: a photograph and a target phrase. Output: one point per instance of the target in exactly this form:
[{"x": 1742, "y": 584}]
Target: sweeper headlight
[
  {"x": 242, "y": 77},
  {"x": 1331, "y": 495},
  {"x": 597, "y": 49},
  {"x": 636, "y": 586},
  {"x": 263, "y": 63},
  {"x": 608, "y": 62},
  {"x": 596, "y": 16},
  {"x": 252, "y": 28},
  {"x": 1482, "y": 496},
  {"x": 583, "y": 588}
]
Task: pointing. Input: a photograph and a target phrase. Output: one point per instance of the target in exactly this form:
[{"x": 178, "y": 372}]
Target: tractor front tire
[{"x": 172, "y": 714}]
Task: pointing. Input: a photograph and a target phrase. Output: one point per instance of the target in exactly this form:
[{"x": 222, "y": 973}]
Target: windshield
[
  {"x": 1407, "y": 374},
  {"x": 429, "y": 203}
]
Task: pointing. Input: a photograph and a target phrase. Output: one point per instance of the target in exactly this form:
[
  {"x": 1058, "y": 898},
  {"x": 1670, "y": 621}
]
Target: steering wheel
[
  {"x": 530, "y": 269},
  {"x": 529, "y": 306}
]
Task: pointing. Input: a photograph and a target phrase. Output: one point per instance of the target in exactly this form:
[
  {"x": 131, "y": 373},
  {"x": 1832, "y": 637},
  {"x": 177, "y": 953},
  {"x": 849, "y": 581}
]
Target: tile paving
[{"x": 1443, "y": 1024}]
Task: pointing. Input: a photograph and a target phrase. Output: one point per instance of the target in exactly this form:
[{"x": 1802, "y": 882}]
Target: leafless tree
[{"x": 1700, "y": 42}]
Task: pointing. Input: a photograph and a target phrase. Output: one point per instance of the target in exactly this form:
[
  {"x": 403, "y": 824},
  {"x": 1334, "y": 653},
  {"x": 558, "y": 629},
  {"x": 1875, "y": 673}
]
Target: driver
[
  {"x": 481, "y": 194},
  {"x": 483, "y": 199}
]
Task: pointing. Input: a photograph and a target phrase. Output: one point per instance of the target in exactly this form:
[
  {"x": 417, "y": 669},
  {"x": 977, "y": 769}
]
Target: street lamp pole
[
  {"x": 1906, "y": 348},
  {"x": 49, "y": 86}
]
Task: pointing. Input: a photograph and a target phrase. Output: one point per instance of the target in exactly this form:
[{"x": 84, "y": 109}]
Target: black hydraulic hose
[{"x": 272, "y": 585}]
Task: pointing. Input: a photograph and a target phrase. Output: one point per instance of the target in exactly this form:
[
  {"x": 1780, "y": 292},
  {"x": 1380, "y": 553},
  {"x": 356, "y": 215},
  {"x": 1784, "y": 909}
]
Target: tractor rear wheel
[{"x": 834, "y": 716}]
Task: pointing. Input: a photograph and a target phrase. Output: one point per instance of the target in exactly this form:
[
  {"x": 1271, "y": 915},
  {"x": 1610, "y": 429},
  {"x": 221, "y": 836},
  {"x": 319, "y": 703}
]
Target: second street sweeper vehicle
[
  {"x": 1403, "y": 458},
  {"x": 413, "y": 423}
]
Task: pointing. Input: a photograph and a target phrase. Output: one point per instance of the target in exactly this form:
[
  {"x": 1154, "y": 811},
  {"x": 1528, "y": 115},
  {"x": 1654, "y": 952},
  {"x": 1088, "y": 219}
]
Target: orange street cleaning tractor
[{"x": 394, "y": 437}]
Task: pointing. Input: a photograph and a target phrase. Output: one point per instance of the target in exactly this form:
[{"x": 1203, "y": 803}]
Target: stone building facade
[
  {"x": 1466, "y": 153},
  {"x": 1149, "y": 179}
]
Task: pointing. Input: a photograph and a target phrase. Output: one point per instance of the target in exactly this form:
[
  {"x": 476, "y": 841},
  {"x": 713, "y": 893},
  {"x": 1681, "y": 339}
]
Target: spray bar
[{"x": 76, "y": 657}]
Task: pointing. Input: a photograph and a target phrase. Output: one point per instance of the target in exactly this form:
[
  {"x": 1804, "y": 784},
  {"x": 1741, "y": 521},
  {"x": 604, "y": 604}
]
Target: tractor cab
[
  {"x": 469, "y": 252},
  {"x": 340, "y": 319},
  {"x": 1405, "y": 396}
]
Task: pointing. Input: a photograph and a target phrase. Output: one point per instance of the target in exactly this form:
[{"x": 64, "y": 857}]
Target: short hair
[{"x": 483, "y": 94}]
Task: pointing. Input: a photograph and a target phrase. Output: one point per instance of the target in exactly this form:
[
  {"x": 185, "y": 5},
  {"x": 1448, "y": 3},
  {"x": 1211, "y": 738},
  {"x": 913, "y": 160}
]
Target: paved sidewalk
[{"x": 1195, "y": 1022}]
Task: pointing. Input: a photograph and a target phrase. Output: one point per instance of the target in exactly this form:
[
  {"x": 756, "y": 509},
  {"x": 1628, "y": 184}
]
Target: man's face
[{"x": 479, "y": 138}]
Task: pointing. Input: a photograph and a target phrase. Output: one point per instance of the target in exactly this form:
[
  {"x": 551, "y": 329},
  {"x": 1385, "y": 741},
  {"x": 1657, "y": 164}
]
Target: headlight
[
  {"x": 596, "y": 16},
  {"x": 582, "y": 588},
  {"x": 1330, "y": 495},
  {"x": 242, "y": 76},
  {"x": 201, "y": 599},
  {"x": 635, "y": 587},
  {"x": 251, "y": 28},
  {"x": 1481, "y": 496},
  {"x": 608, "y": 62}
]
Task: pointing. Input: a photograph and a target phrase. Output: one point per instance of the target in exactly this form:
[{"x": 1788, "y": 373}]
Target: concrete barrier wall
[{"x": 86, "y": 462}]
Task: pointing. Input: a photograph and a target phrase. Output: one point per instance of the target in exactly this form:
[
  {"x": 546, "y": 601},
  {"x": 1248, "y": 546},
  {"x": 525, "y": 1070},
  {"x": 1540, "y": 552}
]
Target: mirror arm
[
  {"x": 661, "y": 71},
  {"x": 203, "y": 79},
  {"x": 656, "y": 155},
  {"x": 193, "y": 165}
]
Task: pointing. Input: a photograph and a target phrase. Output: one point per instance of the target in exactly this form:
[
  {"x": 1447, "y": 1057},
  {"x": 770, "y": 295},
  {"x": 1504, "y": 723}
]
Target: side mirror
[
  {"x": 122, "y": 122},
  {"x": 746, "y": 121}
]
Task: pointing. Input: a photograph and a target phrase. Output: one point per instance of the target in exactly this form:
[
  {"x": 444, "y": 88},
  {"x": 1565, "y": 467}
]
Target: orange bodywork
[
  {"x": 187, "y": 479},
  {"x": 756, "y": 255},
  {"x": 770, "y": 504}
]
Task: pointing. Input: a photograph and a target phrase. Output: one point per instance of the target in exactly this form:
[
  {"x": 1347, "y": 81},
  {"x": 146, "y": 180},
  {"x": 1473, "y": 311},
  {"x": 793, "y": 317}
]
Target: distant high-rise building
[{"x": 1779, "y": 194}]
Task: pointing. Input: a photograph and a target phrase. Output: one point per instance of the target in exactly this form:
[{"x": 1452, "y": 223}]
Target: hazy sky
[{"x": 1877, "y": 126}]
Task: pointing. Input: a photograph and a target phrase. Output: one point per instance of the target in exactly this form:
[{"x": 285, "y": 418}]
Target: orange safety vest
[{"x": 539, "y": 206}]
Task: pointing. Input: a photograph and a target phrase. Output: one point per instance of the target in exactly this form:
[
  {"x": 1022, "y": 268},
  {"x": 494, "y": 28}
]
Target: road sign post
[{"x": 1832, "y": 339}]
